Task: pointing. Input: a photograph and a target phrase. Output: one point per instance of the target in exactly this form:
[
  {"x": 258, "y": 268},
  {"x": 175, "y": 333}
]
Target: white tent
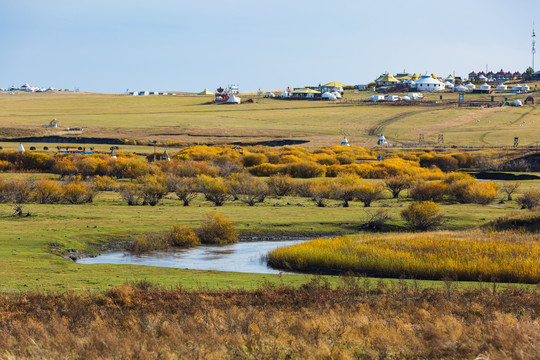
[
  {"x": 393, "y": 98},
  {"x": 234, "y": 100},
  {"x": 271, "y": 95},
  {"x": 517, "y": 103},
  {"x": 460, "y": 88},
  {"x": 525, "y": 87},
  {"x": 470, "y": 86},
  {"x": 449, "y": 85},
  {"x": 415, "y": 96},
  {"x": 382, "y": 140},
  {"x": 345, "y": 142},
  {"x": 482, "y": 78},
  {"x": 450, "y": 79},
  {"x": 284, "y": 94},
  {"x": 516, "y": 87},
  {"x": 406, "y": 98},
  {"x": 428, "y": 83},
  {"x": 501, "y": 87},
  {"x": 21, "y": 148},
  {"x": 337, "y": 94},
  {"x": 328, "y": 96},
  {"x": 485, "y": 86}
]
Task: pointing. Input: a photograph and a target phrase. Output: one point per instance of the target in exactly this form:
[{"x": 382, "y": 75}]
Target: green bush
[{"x": 217, "y": 229}]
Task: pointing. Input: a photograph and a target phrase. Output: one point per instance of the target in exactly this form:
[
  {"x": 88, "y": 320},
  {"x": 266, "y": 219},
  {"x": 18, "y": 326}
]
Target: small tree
[
  {"x": 344, "y": 188},
  {"x": 131, "y": 193},
  {"x": 280, "y": 185},
  {"x": 480, "y": 193},
  {"x": 375, "y": 219},
  {"x": 47, "y": 191},
  {"x": 369, "y": 192},
  {"x": 152, "y": 189},
  {"x": 217, "y": 229},
  {"x": 428, "y": 191},
  {"x": 186, "y": 190},
  {"x": 248, "y": 189},
  {"x": 20, "y": 190},
  {"x": 77, "y": 192},
  {"x": 422, "y": 215},
  {"x": 319, "y": 191},
  {"x": 509, "y": 189},
  {"x": 397, "y": 184},
  {"x": 215, "y": 190},
  {"x": 529, "y": 199}
]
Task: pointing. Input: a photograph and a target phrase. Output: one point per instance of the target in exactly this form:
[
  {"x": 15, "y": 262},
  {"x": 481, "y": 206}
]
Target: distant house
[
  {"x": 386, "y": 80},
  {"x": 305, "y": 93}
]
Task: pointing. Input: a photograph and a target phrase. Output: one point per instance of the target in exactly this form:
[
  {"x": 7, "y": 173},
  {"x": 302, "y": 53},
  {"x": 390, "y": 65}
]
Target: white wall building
[{"x": 428, "y": 83}]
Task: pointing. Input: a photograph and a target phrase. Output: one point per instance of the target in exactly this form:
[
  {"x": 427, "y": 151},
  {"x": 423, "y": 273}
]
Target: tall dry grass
[
  {"x": 474, "y": 255},
  {"x": 359, "y": 320}
]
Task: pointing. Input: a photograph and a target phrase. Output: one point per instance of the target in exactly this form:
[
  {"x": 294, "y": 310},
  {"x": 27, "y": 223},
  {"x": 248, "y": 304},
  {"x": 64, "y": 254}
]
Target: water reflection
[{"x": 240, "y": 257}]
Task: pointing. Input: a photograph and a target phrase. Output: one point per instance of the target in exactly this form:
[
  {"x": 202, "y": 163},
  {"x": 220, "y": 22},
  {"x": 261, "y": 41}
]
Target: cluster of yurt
[
  {"x": 521, "y": 88},
  {"x": 428, "y": 83}
]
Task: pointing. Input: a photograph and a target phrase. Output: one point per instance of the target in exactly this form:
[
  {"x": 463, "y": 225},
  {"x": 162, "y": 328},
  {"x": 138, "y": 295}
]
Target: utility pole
[{"x": 533, "y": 46}]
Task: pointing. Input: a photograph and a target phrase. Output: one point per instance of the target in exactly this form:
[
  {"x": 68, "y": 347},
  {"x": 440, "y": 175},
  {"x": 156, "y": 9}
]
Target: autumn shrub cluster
[{"x": 45, "y": 191}]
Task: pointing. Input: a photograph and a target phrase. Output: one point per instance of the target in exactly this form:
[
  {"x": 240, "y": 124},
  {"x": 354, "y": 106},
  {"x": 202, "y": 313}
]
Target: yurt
[
  {"x": 517, "y": 103},
  {"x": 337, "y": 94},
  {"x": 485, "y": 86},
  {"x": 461, "y": 88},
  {"x": 284, "y": 94},
  {"x": 328, "y": 96},
  {"x": 470, "y": 86},
  {"x": 345, "y": 142},
  {"x": 234, "y": 100},
  {"x": 406, "y": 98},
  {"x": 428, "y": 83},
  {"x": 448, "y": 85},
  {"x": 525, "y": 88},
  {"x": 450, "y": 79},
  {"x": 501, "y": 87},
  {"x": 482, "y": 78},
  {"x": 271, "y": 95},
  {"x": 21, "y": 148},
  {"x": 206, "y": 92},
  {"x": 516, "y": 87},
  {"x": 382, "y": 140}
]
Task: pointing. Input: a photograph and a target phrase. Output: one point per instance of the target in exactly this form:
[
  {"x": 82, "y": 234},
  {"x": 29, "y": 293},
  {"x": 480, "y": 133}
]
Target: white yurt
[
  {"x": 482, "y": 78},
  {"x": 345, "y": 142},
  {"x": 328, "y": 96},
  {"x": 428, "y": 83},
  {"x": 525, "y": 87},
  {"x": 461, "y": 88},
  {"x": 470, "y": 86},
  {"x": 501, "y": 87},
  {"x": 271, "y": 95},
  {"x": 382, "y": 140},
  {"x": 406, "y": 98},
  {"x": 284, "y": 94},
  {"x": 234, "y": 100},
  {"x": 337, "y": 94},
  {"x": 448, "y": 85},
  {"x": 21, "y": 148},
  {"x": 517, "y": 103},
  {"x": 485, "y": 86},
  {"x": 450, "y": 79},
  {"x": 516, "y": 87}
]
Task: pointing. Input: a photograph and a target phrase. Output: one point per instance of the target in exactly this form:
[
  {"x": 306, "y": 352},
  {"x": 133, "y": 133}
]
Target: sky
[{"x": 177, "y": 45}]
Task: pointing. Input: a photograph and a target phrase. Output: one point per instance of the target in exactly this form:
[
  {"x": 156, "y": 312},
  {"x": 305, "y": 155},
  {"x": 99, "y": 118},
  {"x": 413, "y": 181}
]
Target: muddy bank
[{"x": 485, "y": 175}]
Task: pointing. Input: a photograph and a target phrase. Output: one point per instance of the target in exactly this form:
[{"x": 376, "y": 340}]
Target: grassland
[{"x": 194, "y": 119}]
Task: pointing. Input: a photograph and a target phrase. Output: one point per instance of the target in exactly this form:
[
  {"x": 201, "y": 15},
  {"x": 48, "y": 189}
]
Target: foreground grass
[
  {"x": 358, "y": 319},
  {"x": 507, "y": 257}
]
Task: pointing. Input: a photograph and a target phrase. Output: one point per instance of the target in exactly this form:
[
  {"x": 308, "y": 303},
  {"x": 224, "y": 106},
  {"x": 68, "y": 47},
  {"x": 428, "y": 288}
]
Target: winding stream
[{"x": 249, "y": 257}]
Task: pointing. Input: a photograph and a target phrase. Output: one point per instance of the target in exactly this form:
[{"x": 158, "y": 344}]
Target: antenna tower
[{"x": 533, "y": 45}]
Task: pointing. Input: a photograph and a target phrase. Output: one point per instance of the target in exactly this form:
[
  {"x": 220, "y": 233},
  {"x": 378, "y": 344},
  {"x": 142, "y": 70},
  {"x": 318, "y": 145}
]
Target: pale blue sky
[{"x": 109, "y": 46}]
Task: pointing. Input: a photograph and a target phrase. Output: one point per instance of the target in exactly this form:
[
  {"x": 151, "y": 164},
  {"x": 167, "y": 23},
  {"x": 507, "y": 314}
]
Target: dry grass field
[{"x": 194, "y": 119}]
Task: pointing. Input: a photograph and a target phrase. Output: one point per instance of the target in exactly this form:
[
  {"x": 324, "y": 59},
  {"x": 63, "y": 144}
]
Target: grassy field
[
  {"x": 193, "y": 119},
  {"x": 30, "y": 247}
]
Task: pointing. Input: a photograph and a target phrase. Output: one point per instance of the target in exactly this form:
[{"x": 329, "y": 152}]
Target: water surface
[{"x": 249, "y": 257}]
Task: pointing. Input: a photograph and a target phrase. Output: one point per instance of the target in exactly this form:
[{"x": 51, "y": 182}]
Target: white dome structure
[
  {"x": 234, "y": 100},
  {"x": 525, "y": 87},
  {"x": 271, "y": 95},
  {"x": 461, "y": 88},
  {"x": 485, "y": 86},
  {"x": 406, "y": 98},
  {"x": 345, "y": 142},
  {"x": 21, "y": 148},
  {"x": 448, "y": 85},
  {"x": 337, "y": 94},
  {"x": 470, "y": 86},
  {"x": 284, "y": 94},
  {"x": 517, "y": 103},
  {"x": 482, "y": 78},
  {"x": 382, "y": 140},
  {"x": 501, "y": 87},
  {"x": 516, "y": 87},
  {"x": 328, "y": 96},
  {"x": 450, "y": 79},
  {"x": 428, "y": 83}
]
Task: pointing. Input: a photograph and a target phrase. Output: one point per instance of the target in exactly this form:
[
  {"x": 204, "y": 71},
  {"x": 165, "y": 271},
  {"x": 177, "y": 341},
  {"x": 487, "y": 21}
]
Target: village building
[{"x": 428, "y": 83}]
